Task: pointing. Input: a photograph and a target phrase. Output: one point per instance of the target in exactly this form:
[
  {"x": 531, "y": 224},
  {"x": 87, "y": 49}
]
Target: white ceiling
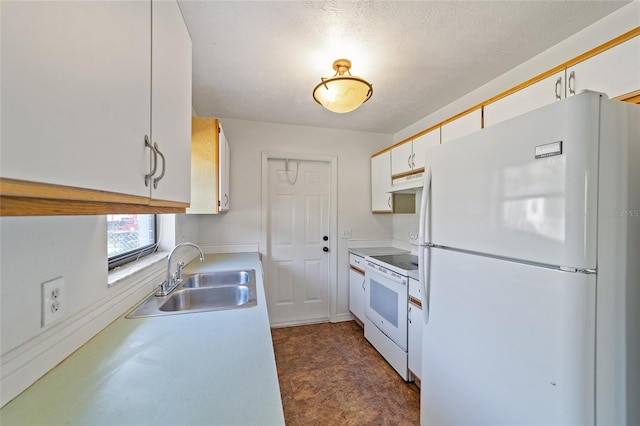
[{"x": 260, "y": 60}]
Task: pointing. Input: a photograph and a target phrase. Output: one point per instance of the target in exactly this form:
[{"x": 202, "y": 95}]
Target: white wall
[
  {"x": 617, "y": 23},
  {"x": 248, "y": 139},
  {"x": 34, "y": 250}
]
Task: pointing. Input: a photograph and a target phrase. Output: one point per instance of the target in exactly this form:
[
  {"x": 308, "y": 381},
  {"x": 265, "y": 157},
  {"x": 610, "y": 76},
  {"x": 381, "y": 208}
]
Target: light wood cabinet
[
  {"x": 209, "y": 167},
  {"x": 461, "y": 126},
  {"x": 77, "y": 98}
]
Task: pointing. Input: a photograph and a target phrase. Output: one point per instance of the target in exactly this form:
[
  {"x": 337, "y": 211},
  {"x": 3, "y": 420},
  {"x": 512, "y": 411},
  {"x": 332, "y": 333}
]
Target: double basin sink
[{"x": 203, "y": 292}]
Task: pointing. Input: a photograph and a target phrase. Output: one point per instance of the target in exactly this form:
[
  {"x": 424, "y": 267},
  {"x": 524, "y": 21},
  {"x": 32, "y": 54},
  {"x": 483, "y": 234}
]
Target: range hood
[{"x": 407, "y": 182}]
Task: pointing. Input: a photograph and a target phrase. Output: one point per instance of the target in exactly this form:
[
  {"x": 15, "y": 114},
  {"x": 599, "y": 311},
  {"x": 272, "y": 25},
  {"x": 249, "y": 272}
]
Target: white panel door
[
  {"x": 76, "y": 87},
  {"x": 507, "y": 344},
  {"x": 171, "y": 101},
  {"x": 298, "y": 221}
]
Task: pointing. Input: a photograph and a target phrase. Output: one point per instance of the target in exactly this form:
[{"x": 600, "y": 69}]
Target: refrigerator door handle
[{"x": 422, "y": 243}]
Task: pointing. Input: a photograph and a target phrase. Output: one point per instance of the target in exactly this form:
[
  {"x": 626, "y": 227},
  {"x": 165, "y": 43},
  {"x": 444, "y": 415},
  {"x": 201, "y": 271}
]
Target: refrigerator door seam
[{"x": 570, "y": 269}]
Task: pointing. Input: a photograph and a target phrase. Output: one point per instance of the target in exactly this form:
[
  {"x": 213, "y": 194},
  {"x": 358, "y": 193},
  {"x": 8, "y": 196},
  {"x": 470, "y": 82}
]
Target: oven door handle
[{"x": 373, "y": 269}]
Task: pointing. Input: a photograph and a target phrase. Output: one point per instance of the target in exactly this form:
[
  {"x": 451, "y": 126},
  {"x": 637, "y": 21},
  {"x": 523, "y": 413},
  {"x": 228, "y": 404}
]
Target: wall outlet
[
  {"x": 413, "y": 235},
  {"x": 53, "y": 302},
  {"x": 346, "y": 233}
]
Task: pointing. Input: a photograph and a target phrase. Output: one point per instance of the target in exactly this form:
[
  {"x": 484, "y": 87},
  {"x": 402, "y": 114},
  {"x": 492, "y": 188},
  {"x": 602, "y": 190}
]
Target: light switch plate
[
  {"x": 346, "y": 233},
  {"x": 53, "y": 302}
]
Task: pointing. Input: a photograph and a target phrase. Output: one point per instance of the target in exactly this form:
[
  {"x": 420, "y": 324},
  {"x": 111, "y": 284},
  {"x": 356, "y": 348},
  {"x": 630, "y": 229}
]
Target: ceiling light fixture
[{"x": 342, "y": 93}]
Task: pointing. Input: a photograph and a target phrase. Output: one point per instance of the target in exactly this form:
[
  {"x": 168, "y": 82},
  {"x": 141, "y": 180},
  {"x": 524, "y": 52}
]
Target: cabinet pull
[
  {"x": 409, "y": 161},
  {"x": 157, "y": 179},
  {"x": 558, "y": 84},
  {"x": 226, "y": 200},
  {"x": 147, "y": 177},
  {"x": 389, "y": 201},
  {"x": 572, "y": 83},
  {"x": 413, "y": 160}
]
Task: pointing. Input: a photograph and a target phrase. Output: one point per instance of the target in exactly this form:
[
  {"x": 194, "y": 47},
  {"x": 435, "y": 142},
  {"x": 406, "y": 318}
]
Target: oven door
[{"x": 386, "y": 299}]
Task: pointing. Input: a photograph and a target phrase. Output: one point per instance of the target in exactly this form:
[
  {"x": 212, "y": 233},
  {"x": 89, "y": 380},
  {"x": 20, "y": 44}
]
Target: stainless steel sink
[
  {"x": 210, "y": 291},
  {"x": 217, "y": 278}
]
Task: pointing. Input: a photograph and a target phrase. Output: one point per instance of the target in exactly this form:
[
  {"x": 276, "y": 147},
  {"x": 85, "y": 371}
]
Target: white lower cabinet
[
  {"x": 356, "y": 286},
  {"x": 415, "y": 328}
]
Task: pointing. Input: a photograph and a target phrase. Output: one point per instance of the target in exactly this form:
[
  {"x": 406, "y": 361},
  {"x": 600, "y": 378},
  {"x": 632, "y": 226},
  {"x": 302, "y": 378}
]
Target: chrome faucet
[{"x": 171, "y": 283}]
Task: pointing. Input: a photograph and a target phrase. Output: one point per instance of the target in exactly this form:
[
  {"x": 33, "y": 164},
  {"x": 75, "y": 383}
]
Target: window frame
[{"x": 133, "y": 255}]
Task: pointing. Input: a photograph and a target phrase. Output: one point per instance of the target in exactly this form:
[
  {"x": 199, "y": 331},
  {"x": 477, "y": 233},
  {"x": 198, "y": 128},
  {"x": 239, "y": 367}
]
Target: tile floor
[{"x": 331, "y": 375}]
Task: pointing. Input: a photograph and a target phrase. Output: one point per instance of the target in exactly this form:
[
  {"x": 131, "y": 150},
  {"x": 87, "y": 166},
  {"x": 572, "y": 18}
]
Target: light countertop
[{"x": 209, "y": 368}]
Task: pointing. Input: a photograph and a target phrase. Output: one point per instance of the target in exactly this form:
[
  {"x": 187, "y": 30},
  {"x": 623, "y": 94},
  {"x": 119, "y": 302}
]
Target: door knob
[
  {"x": 325, "y": 249},
  {"x": 325, "y": 238}
]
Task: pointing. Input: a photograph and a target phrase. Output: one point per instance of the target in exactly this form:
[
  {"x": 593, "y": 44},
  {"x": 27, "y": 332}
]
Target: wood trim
[
  {"x": 29, "y": 206},
  {"x": 415, "y": 301},
  {"x": 28, "y": 189},
  {"x": 355, "y": 269},
  {"x": 409, "y": 173},
  {"x": 381, "y": 212},
  {"x": 24, "y": 198},
  {"x": 586, "y": 55},
  {"x": 633, "y": 97}
]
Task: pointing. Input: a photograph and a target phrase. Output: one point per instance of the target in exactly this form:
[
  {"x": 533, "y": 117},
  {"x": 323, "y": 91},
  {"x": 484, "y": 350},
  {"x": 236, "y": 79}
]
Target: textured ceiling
[{"x": 260, "y": 60}]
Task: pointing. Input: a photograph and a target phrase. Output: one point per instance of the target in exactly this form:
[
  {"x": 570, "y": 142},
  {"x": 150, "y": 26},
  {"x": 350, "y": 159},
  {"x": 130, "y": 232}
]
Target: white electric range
[{"x": 386, "y": 303}]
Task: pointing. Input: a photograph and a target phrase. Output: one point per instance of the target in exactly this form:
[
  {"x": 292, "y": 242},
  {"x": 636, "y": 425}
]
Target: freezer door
[
  {"x": 507, "y": 344},
  {"x": 525, "y": 188}
]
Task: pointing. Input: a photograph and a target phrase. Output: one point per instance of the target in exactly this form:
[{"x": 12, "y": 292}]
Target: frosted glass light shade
[{"x": 342, "y": 93}]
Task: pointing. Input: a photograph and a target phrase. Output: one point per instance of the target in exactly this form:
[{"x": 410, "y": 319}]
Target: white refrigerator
[{"x": 530, "y": 266}]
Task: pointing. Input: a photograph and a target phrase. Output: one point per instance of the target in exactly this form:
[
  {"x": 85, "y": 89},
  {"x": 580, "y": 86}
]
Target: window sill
[{"x": 126, "y": 271}]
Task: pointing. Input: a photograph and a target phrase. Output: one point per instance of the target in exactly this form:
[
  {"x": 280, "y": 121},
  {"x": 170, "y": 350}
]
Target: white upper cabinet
[
  {"x": 171, "y": 102},
  {"x": 614, "y": 72},
  {"x": 76, "y": 89},
  {"x": 224, "y": 158},
  {"x": 462, "y": 126},
  {"x": 531, "y": 97},
  {"x": 422, "y": 144},
  {"x": 381, "y": 200},
  {"x": 402, "y": 158}
]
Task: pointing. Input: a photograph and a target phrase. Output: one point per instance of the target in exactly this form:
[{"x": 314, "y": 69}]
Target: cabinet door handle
[
  {"x": 154, "y": 167},
  {"x": 413, "y": 160},
  {"x": 409, "y": 316},
  {"x": 226, "y": 200},
  {"x": 558, "y": 84},
  {"x": 389, "y": 201},
  {"x": 572, "y": 83},
  {"x": 363, "y": 285},
  {"x": 157, "y": 179},
  {"x": 409, "y": 160}
]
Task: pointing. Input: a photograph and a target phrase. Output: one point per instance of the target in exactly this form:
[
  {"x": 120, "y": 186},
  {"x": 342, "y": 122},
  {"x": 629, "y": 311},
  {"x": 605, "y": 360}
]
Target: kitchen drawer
[
  {"x": 356, "y": 261},
  {"x": 415, "y": 290}
]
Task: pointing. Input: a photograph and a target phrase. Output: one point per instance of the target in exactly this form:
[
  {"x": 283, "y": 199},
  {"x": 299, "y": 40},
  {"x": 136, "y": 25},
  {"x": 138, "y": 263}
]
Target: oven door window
[{"x": 384, "y": 301}]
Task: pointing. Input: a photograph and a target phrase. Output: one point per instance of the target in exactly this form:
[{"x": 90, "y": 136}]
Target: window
[{"x": 129, "y": 237}]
